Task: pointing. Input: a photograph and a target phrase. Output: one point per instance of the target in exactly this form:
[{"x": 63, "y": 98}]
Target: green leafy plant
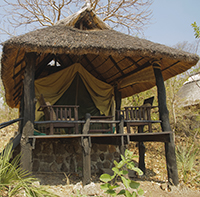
[
  {"x": 186, "y": 162},
  {"x": 196, "y": 29},
  {"x": 14, "y": 180},
  {"x": 120, "y": 171}
]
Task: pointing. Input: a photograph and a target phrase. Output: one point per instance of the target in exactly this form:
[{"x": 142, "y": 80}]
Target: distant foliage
[{"x": 196, "y": 30}]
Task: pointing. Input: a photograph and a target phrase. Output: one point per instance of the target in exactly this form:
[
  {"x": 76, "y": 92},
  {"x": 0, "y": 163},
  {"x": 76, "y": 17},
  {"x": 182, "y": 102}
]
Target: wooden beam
[
  {"x": 134, "y": 62},
  {"x": 93, "y": 67},
  {"x": 18, "y": 63},
  {"x": 165, "y": 125},
  {"x": 125, "y": 68},
  {"x": 116, "y": 65},
  {"x": 29, "y": 111},
  {"x": 86, "y": 144},
  {"x": 112, "y": 138},
  {"x": 170, "y": 66},
  {"x": 141, "y": 148},
  {"x": 70, "y": 59},
  {"x": 122, "y": 146},
  {"x": 42, "y": 65},
  {"x": 147, "y": 64},
  {"x": 118, "y": 99},
  {"x": 15, "y": 75}
]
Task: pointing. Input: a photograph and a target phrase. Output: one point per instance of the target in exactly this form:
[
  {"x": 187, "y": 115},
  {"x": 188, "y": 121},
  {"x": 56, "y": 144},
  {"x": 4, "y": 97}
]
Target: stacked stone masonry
[{"x": 65, "y": 155}]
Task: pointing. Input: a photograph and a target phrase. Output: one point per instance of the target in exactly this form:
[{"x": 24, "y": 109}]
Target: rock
[
  {"x": 77, "y": 187},
  {"x": 91, "y": 189},
  {"x": 36, "y": 183}
]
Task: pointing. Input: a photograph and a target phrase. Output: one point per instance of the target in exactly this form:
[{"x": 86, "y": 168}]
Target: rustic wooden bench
[
  {"x": 59, "y": 116},
  {"x": 138, "y": 115}
]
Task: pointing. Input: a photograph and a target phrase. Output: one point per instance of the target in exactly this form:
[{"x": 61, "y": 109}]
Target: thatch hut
[
  {"x": 104, "y": 65},
  {"x": 189, "y": 93}
]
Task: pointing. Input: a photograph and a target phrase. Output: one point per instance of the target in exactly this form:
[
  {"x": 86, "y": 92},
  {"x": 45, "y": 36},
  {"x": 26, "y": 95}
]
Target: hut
[
  {"x": 82, "y": 65},
  {"x": 189, "y": 93}
]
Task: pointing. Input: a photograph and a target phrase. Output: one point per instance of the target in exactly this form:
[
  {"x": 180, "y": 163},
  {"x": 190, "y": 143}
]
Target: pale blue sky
[{"x": 171, "y": 21}]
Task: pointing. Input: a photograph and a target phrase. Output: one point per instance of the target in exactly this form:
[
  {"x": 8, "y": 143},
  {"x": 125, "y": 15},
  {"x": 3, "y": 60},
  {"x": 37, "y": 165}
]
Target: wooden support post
[
  {"x": 29, "y": 111},
  {"x": 121, "y": 130},
  {"x": 141, "y": 148},
  {"x": 118, "y": 105},
  {"x": 21, "y": 114},
  {"x": 164, "y": 117},
  {"x": 86, "y": 144}
]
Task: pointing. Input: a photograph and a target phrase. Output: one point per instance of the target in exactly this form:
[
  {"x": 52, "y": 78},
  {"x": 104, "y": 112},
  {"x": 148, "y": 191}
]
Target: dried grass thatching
[{"x": 110, "y": 56}]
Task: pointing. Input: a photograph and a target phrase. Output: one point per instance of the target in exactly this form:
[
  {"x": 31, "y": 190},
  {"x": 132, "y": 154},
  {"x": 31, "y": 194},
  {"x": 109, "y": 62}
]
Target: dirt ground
[
  {"x": 58, "y": 184},
  {"x": 154, "y": 183}
]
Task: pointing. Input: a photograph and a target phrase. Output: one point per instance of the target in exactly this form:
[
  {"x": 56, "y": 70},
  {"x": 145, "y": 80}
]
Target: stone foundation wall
[{"x": 65, "y": 155}]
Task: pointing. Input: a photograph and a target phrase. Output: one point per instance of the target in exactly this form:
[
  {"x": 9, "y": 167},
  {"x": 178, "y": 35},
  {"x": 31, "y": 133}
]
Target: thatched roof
[
  {"x": 110, "y": 56},
  {"x": 189, "y": 93}
]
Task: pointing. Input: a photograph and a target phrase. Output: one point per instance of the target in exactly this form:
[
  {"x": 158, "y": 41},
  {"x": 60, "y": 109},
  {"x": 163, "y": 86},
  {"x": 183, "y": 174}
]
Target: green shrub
[
  {"x": 186, "y": 162},
  {"x": 120, "y": 171},
  {"x": 14, "y": 180}
]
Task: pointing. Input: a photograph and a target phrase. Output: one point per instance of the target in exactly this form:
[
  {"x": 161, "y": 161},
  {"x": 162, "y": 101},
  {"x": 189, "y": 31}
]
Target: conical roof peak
[{"x": 84, "y": 19}]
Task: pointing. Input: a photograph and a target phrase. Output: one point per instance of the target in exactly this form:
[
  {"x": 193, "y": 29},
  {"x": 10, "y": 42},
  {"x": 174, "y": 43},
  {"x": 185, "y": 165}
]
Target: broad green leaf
[
  {"x": 131, "y": 164},
  {"x": 125, "y": 181},
  {"x": 116, "y": 170},
  {"x": 136, "y": 169},
  {"x": 111, "y": 192},
  {"x": 134, "y": 184},
  {"x": 115, "y": 162},
  {"x": 134, "y": 194},
  {"x": 105, "y": 178},
  {"x": 139, "y": 171},
  {"x": 124, "y": 172},
  {"x": 122, "y": 192},
  {"x": 123, "y": 158},
  {"x": 113, "y": 186},
  {"x": 140, "y": 192},
  {"x": 128, "y": 194},
  {"x": 121, "y": 164},
  {"x": 105, "y": 186}
]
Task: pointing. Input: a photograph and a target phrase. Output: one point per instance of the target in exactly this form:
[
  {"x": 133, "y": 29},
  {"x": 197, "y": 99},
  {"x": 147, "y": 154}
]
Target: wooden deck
[{"x": 114, "y": 138}]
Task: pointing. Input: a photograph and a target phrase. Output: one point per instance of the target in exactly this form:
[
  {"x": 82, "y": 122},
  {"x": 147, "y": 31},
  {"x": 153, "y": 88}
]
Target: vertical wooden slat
[
  {"x": 57, "y": 113},
  {"x": 65, "y": 113},
  {"x": 118, "y": 99},
  {"x": 70, "y": 113},
  {"x": 76, "y": 118},
  {"x": 131, "y": 114},
  {"x": 61, "y": 113},
  {"x": 51, "y": 118}
]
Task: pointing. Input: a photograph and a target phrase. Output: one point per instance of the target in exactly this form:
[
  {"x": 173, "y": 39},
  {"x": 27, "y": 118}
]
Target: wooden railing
[
  {"x": 5, "y": 124},
  {"x": 60, "y": 116},
  {"x": 137, "y": 116}
]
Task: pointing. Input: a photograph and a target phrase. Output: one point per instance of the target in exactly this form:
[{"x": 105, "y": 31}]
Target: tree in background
[
  {"x": 129, "y": 15},
  {"x": 175, "y": 83},
  {"x": 196, "y": 30}
]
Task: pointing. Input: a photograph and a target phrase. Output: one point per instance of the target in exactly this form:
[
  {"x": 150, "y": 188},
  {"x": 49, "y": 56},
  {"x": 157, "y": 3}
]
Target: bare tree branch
[{"x": 131, "y": 14}]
